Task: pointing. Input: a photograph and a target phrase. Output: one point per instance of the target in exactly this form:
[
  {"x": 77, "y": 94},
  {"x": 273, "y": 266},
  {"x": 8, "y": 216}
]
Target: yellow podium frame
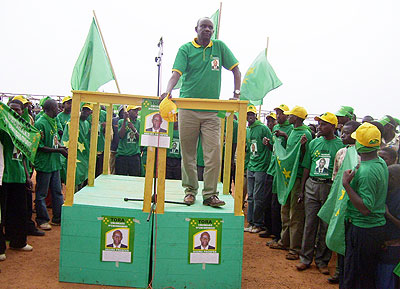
[{"x": 108, "y": 99}]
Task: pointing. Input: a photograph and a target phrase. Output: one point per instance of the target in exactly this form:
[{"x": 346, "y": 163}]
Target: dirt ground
[{"x": 262, "y": 267}]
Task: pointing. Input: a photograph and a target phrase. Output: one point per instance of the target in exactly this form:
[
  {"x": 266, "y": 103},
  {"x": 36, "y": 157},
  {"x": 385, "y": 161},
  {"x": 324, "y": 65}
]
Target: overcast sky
[{"x": 326, "y": 53}]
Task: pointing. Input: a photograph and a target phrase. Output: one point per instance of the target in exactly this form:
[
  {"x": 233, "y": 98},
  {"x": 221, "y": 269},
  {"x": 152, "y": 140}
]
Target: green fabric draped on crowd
[
  {"x": 334, "y": 210},
  {"x": 24, "y": 136}
]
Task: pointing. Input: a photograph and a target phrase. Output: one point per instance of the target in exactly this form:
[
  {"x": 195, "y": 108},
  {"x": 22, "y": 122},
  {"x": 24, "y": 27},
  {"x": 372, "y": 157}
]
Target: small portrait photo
[
  {"x": 205, "y": 240},
  {"x": 253, "y": 148},
  {"x": 321, "y": 166},
  {"x": 175, "y": 147},
  {"x": 155, "y": 123},
  {"x": 131, "y": 138},
  {"x": 118, "y": 238},
  {"x": 215, "y": 63}
]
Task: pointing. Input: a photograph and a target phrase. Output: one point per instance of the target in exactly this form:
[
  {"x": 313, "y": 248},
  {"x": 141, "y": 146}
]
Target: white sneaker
[
  {"x": 248, "y": 228},
  {"x": 27, "y": 248},
  {"x": 45, "y": 226},
  {"x": 2, "y": 257},
  {"x": 255, "y": 229}
]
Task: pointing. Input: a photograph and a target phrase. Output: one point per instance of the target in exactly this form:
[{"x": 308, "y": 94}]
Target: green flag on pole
[
  {"x": 260, "y": 79},
  {"x": 214, "y": 18},
  {"x": 92, "y": 69},
  {"x": 334, "y": 210},
  {"x": 286, "y": 164},
  {"x": 24, "y": 136}
]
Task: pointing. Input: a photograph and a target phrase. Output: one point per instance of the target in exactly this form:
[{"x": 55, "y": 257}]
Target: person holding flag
[
  {"x": 316, "y": 184},
  {"x": 199, "y": 64},
  {"x": 292, "y": 211}
]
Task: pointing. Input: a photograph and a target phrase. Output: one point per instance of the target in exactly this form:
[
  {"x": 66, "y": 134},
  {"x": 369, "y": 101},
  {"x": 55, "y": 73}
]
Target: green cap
[
  {"x": 43, "y": 100},
  {"x": 345, "y": 111}
]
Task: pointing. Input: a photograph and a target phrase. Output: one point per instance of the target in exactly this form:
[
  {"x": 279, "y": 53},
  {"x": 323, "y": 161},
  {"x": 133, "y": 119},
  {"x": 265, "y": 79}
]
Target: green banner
[
  {"x": 24, "y": 136},
  {"x": 154, "y": 130},
  {"x": 117, "y": 239},
  {"x": 205, "y": 241},
  {"x": 334, "y": 210},
  {"x": 286, "y": 164}
]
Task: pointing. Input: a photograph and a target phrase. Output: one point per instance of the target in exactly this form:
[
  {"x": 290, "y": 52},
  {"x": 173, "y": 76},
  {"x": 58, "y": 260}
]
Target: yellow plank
[
  {"x": 72, "y": 150},
  {"x": 228, "y": 154},
  {"x": 148, "y": 181},
  {"x": 240, "y": 149},
  {"x": 94, "y": 133},
  {"x": 221, "y": 141},
  {"x": 108, "y": 136},
  {"x": 161, "y": 167}
]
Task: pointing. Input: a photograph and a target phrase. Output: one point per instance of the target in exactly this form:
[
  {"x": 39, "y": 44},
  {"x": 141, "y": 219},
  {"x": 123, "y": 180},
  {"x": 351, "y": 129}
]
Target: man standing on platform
[{"x": 199, "y": 63}]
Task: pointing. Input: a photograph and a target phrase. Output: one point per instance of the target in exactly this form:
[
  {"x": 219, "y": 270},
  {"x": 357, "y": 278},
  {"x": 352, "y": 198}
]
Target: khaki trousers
[
  {"x": 193, "y": 124},
  {"x": 292, "y": 215}
]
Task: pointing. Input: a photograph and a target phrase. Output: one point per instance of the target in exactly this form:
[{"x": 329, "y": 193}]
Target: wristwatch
[{"x": 237, "y": 91}]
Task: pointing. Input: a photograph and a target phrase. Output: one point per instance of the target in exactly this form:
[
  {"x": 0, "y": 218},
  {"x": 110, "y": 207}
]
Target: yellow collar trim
[{"x": 194, "y": 43}]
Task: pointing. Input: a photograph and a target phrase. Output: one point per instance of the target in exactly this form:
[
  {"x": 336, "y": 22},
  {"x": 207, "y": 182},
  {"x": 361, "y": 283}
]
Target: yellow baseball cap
[
  {"x": 65, "y": 99},
  {"x": 252, "y": 108},
  {"x": 282, "y": 107},
  {"x": 272, "y": 115},
  {"x": 368, "y": 135},
  {"x": 298, "y": 111},
  {"x": 328, "y": 117},
  {"x": 88, "y": 105},
  {"x": 168, "y": 109},
  {"x": 133, "y": 107},
  {"x": 21, "y": 99}
]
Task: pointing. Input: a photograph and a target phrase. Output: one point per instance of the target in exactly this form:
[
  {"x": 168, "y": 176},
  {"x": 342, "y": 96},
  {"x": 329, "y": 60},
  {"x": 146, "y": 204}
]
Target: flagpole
[
  {"x": 266, "y": 54},
  {"x": 219, "y": 19},
  {"x": 105, "y": 48}
]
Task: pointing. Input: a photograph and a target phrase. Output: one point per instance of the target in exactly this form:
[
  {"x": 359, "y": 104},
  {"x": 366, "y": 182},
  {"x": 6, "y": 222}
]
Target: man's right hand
[{"x": 266, "y": 141}]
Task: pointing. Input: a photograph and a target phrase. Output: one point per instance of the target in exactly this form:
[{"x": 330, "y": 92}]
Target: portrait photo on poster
[
  {"x": 205, "y": 240},
  {"x": 118, "y": 238},
  {"x": 156, "y": 124}
]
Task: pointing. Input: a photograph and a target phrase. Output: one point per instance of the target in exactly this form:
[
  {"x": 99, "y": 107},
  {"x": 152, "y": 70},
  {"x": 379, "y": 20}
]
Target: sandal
[
  {"x": 278, "y": 246},
  {"x": 292, "y": 256}
]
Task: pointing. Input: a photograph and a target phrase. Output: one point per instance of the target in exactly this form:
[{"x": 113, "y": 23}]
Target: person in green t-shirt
[
  {"x": 272, "y": 221},
  {"x": 65, "y": 115},
  {"x": 13, "y": 193},
  {"x": 316, "y": 184},
  {"x": 48, "y": 165},
  {"x": 199, "y": 64},
  {"x": 127, "y": 161},
  {"x": 257, "y": 168},
  {"x": 365, "y": 216},
  {"x": 271, "y": 120},
  {"x": 173, "y": 165}
]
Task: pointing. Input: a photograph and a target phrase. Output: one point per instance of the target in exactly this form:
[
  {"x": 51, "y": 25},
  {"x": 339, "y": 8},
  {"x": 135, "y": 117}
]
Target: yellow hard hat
[{"x": 168, "y": 110}]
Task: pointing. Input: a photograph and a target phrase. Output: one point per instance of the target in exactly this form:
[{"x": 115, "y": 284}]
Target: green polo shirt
[
  {"x": 260, "y": 155},
  {"x": 200, "y": 68},
  {"x": 14, "y": 171},
  {"x": 285, "y": 127},
  {"x": 294, "y": 138},
  {"x": 63, "y": 118},
  {"x": 370, "y": 182},
  {"x": 47, "y": 162},
  {"x": 129, "y": 145},
  {"x": 175, "y": 150},
  {"x": 320, "y": 156}
]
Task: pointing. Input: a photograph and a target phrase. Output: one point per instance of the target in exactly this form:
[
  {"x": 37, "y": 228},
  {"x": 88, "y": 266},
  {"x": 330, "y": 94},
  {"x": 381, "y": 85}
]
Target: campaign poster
[
  {"x": 205, "y": 241},
  {"x": 154, "y": 130},
  {"x": 117, "y": 239}
]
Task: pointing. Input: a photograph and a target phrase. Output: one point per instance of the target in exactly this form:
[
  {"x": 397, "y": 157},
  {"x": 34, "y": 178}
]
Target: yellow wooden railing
[{"x": 108, "y": 99}]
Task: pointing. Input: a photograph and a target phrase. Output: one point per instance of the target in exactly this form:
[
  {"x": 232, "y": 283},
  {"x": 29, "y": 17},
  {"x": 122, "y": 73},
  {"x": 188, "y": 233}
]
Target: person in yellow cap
[
  {"x": 65, "y": 115},
  {"x": 271, "y": 120},
  {"x": 365, "y": 215},
  {"x": 257, "y": 167},
  {"x": 127, "y": 161},
  {"x": 292, "y": 211},
  {"x": 316, "y": 184},
  {"x": 272, "y": 215},
  {"x": 199, "y": 63}
]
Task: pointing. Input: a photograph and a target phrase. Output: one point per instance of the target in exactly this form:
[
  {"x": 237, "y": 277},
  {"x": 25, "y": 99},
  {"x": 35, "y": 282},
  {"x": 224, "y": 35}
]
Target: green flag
[
  {"x": 92, "y": 69},
  {"x": 397, "y": 270},
  {"x": 214, "y": 18},
  {"x": 24, "y": 136},
  {"x": 286, "y": 164},
  {"x": 334, "y": 210},
  {"x": 260, "y": 79}
]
